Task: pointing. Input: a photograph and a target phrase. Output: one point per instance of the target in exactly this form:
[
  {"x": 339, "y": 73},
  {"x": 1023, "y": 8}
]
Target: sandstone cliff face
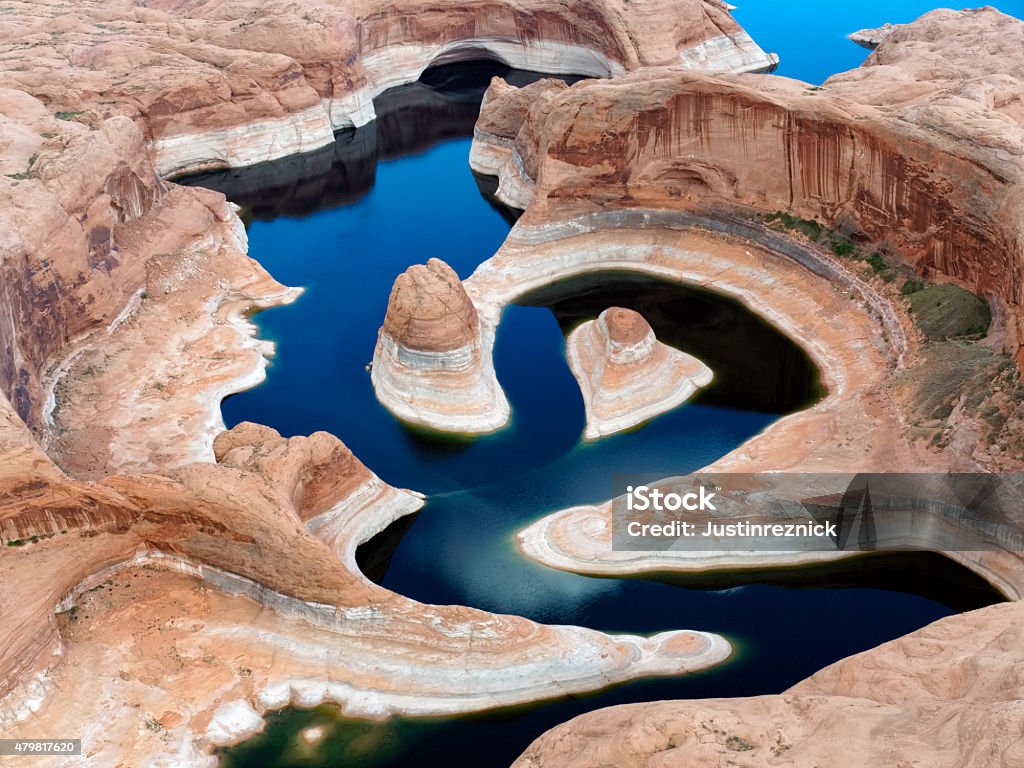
[
  {"x": 216, "y": 86},
  {"x": 626, "y": 375},
  {"x": 919, "y": 150},
  {"x": 69, "y": 201}
]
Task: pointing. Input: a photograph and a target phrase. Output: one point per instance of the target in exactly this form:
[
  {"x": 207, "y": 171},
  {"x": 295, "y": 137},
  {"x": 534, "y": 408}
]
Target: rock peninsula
[
  {"x": 432, "y": 365},
  {"x": 626, "y": 375}
]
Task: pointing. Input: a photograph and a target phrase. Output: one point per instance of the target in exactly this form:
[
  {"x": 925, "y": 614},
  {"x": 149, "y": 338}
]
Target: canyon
[{"x": 196, "y": 577}]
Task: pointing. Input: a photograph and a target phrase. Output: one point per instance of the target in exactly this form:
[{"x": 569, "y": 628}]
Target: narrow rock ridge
[
  {"x": 215, "y": 87},
  {"x": 432, "y": 365},
  {"x": 626, "y": 375}
]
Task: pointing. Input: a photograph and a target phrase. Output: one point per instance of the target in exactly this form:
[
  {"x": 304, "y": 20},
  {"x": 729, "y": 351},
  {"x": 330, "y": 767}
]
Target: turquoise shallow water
[{"x": 343, "y": 224}]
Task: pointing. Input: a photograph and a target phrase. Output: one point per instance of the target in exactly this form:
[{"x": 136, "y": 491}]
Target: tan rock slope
[
  {"x": 626, "y": 375},
  {"x": 921, "y": 150},
  {"x": 229, "y": 84},
  {"x": 947, "y": 695},
  {"x": 432, "y": 365}
]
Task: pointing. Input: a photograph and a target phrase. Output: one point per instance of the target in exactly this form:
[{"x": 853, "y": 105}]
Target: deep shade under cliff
[{"x": 343, "y": 223}]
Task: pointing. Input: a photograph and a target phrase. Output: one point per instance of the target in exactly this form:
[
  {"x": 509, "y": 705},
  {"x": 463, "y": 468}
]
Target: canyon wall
[
  {"x": 919, "y": 153},
  {"x": 238, "y": 83},
  {"x": 71, "y": 201}
]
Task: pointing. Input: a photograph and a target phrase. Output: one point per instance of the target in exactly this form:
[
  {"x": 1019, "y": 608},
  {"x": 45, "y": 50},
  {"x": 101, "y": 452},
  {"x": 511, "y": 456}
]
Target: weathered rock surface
[
  {"x": 243, "y": 82},
  {"x": 266, "y": 538},
  {"x": 626, "y": 375},
  {"x": 918, "y": 151},
  {"x": 873, "y": 37},
  {"x": 432, "y": 365},
  {"x": 949, "y": 694}
]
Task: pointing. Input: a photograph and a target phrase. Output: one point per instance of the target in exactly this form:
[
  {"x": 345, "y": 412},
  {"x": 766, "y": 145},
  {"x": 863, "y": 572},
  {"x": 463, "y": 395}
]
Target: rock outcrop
[
  {"x": 873, "y": 37},
  {"x": 222, "y": 588},
  {"x": 626, "y": 375},
  {"x": 216, "y": 86},
  {"x": 948, "y": 694},
  {"x": 432, "y": 365},
  {"x": 919, "y": 151}
]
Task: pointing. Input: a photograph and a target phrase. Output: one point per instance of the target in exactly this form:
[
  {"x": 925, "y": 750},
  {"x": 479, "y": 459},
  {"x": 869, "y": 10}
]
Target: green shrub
[
  {"x": 877, "y": 262},
  {"x": 842, "y": 247},
  {"x": 911, "y": 286},
  {"x": 946, "y": 311},
  {"x": 809, "y": 227}
]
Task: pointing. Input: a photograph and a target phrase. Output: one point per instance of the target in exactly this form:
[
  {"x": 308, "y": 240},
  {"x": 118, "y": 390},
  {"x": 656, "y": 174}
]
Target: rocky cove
[{"x": 168, "y": 544}]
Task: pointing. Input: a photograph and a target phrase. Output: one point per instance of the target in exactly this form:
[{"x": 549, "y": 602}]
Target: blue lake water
[
  {"x": 343, "y": 224},
  {"x": 810, "y": 36}
]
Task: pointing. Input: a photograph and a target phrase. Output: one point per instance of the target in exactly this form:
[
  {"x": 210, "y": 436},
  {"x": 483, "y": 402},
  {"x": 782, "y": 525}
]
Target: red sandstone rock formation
[
  {"x": 245, "y": 81},
  {"x": 626, "y": 375},
  {"x": 919, "y": 151},
  {"x": 432, "y": 364},
  {"x": 429, "y": 311}
]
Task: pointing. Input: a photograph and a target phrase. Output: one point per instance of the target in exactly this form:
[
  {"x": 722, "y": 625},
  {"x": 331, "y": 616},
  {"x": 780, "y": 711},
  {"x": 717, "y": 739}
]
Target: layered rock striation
[
  {"x": 919, "y": 151},
  {"x": 216, "y": 86},
  {"x": 433, "y": 365},
  {"x": 626, "y": 375}
]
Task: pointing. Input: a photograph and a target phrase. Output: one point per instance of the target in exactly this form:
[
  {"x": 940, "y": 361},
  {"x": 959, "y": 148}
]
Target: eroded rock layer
[
  {"x": 948, "y": 694},
  {"x": 432, "y": 365},
  {"x": 228, "y": 84},
  {"x": 626, "y": 375},
  {"x": 921, "y": 150}
]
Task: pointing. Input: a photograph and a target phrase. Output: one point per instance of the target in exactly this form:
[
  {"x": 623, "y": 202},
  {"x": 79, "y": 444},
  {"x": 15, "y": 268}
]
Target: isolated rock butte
[
  {"x": 429, "y": 310},
  {"x": 625, "y": 374}
]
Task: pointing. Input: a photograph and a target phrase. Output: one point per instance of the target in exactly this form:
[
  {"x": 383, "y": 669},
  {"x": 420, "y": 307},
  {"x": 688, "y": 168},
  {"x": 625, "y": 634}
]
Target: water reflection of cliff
[
  {"x": 756, "y": 366},
  {"x": 443, "y": 105}
]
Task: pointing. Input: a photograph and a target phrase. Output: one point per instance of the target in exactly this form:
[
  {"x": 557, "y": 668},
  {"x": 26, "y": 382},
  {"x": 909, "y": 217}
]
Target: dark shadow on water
[
  {"x": 436, "y": 443},
  {"x": 925, "y": 574},
  {"x": 757, "y": 367},
  {"x": 374, "y": 556},
  {"x": 488, "y": 186}
]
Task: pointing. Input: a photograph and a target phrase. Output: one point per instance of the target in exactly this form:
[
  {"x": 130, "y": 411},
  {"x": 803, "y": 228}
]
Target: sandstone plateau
[
  {"x": 626, "y": 375},
  {"x": 432, "y": 365},
  {"x": 191, "y": 578}
]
